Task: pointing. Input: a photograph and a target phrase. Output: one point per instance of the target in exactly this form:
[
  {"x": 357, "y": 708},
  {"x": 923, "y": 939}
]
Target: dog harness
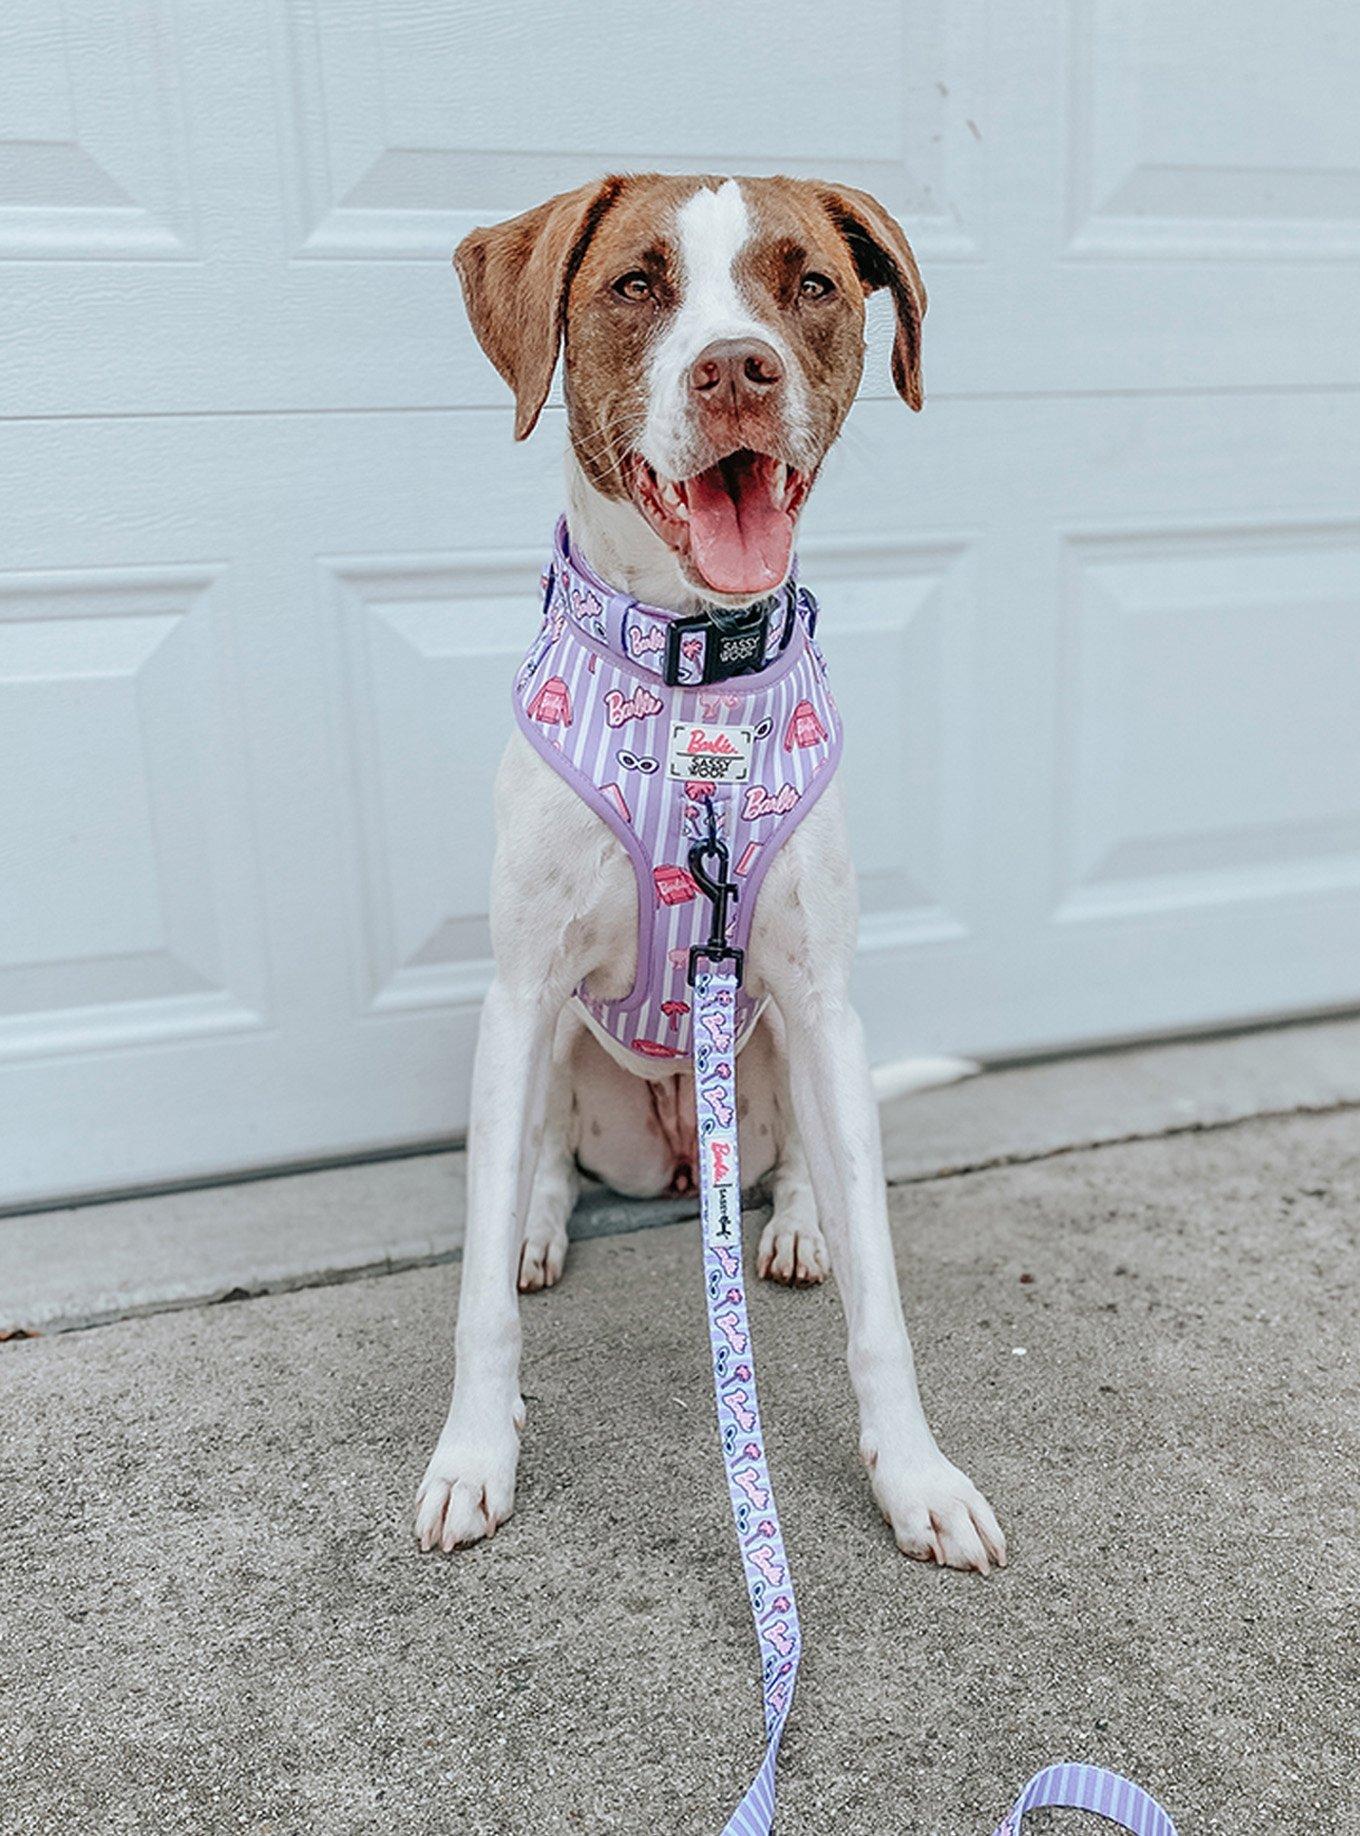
[{"x": 679, "y": 730}]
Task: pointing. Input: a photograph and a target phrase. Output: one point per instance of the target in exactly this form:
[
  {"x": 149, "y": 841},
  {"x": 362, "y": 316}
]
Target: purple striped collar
[{"x": 700, "y": 650}]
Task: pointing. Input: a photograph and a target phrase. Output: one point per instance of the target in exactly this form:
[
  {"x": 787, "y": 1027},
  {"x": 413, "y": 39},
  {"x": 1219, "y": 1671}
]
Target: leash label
[{"x": 713, "y": 754}]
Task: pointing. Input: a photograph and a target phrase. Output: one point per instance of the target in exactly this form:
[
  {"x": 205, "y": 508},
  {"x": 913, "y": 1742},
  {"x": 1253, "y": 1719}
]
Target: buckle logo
[{"x": 740, "y": 648}]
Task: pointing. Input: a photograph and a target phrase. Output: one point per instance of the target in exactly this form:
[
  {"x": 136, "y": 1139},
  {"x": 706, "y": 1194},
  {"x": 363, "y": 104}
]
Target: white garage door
[{"x": 268, "y": 551}]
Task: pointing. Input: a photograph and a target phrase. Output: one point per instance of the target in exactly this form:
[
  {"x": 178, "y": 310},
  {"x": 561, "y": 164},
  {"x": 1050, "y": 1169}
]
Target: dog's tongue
[{"x": 740, "y": 538}]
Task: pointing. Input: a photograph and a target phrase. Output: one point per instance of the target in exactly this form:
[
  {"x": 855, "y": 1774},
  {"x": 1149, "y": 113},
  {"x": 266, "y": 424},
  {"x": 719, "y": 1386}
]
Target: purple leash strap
[{"x": 769, "y": 1583}]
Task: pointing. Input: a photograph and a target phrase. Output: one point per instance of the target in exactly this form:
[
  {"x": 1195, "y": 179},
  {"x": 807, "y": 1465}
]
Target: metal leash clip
[{"x": 719, "y": 891}]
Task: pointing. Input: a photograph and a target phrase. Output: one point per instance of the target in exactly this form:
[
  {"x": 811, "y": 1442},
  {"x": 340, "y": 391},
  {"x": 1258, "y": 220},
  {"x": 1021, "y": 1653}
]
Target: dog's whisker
[{"x": 621, "y": 439}]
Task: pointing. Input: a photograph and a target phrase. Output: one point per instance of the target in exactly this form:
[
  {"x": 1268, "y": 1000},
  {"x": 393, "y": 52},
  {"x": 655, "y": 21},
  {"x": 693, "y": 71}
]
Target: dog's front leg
[
  {"x": 469, "y": 1485},
  {"x": 936, "y": 1512},
  {"x": 545, "y": 940}
]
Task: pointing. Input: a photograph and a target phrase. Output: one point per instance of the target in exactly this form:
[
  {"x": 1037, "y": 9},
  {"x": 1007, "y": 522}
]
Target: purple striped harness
[
  {"x": 661, "y": 723},
  {"x": 703, "y": 747}
]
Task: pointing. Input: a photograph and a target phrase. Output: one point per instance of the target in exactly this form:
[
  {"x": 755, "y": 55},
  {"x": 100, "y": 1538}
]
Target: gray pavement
[{"x": 214, "y": 1618}]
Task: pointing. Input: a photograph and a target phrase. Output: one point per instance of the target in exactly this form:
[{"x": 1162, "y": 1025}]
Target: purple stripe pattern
[
  {"x": 769, "y": 1580},
  {"x": 591, "y": 700},
  {"x": 1090, "y": 1788}
]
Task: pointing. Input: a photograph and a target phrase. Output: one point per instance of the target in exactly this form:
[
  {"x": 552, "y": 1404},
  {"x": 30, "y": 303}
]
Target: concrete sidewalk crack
[{"x": 1024, "y": 1158}]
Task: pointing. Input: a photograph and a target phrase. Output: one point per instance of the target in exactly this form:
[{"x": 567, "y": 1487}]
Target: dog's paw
[
  {"x": 542, "y": 1257},
  {"x": 468, "y": 1490},
  {"x": 936, "y": 1512},
  {"x": 793, "y": 1251}
]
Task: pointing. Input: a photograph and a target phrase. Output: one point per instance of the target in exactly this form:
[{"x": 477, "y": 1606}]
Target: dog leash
[{"x": 769, "y": 1582}]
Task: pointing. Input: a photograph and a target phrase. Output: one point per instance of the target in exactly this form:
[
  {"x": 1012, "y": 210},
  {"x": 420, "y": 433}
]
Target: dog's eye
[
  {"x": 815, "y": 287},
  {"x": 633, "y": 286}
]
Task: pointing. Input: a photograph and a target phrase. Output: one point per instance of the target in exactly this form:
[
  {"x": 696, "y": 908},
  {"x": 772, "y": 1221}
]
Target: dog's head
[{"x": 713, "y": 333}]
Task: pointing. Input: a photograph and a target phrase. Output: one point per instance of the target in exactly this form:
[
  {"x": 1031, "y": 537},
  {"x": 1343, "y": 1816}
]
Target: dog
[{"x": 712, "y": 334}]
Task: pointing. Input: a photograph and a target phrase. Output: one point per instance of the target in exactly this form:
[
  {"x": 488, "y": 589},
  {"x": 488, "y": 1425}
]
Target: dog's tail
[{"x": 905, "y": 1075}]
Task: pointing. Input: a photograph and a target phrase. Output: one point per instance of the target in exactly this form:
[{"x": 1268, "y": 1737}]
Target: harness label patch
[{"x": 717, "y": 755}]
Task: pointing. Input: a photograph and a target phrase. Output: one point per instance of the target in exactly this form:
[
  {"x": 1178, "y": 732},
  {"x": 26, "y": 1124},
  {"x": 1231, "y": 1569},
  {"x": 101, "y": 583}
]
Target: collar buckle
[{"x": 734, "y": 650}]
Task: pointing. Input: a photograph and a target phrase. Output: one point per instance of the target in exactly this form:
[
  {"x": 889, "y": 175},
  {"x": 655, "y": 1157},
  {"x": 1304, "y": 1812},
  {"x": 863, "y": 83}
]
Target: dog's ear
[
  {"x": 515, "y": 279},
  {"x": 883, "y": 258}
]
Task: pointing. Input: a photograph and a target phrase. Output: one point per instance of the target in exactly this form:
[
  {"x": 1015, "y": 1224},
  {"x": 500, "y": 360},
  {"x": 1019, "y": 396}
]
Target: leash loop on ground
[{"x": 769, "y": 1582}]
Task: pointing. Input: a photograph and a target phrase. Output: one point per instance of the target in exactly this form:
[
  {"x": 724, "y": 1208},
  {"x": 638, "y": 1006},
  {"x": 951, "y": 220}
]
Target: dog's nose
[{"x": 735, "y": 369}]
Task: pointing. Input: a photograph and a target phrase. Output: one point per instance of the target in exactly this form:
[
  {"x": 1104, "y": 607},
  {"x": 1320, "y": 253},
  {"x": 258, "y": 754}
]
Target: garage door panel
[
  {"x": 430, "y": 645},
  {"x": 898, "y": 627},
  {"x": 1168, "y": 159},
  {"x": 1210, "y": 747},
  {"x": 409, "y": 130},
  {"x": 129, "y": 908},
  {"x": 94, "y": 145}
]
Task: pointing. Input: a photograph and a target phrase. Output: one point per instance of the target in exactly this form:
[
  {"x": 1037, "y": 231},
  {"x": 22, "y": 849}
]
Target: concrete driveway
[{"x": 214, "y": 1617}]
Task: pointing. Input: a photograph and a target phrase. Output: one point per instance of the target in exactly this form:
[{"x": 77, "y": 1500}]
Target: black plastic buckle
[
  {"x": 736, "y": 650},
  {"x": 728, "y": 953}
]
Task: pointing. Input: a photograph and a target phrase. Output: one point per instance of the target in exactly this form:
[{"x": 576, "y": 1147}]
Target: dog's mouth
[{"x": 732, "y": 522}]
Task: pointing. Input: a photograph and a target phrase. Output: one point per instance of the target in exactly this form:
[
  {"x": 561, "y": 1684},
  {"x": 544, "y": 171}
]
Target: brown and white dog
[{"x": 713, "y": 333}]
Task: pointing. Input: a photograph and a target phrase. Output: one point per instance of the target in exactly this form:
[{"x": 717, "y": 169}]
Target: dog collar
[{"x": 684, "y": 652}]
